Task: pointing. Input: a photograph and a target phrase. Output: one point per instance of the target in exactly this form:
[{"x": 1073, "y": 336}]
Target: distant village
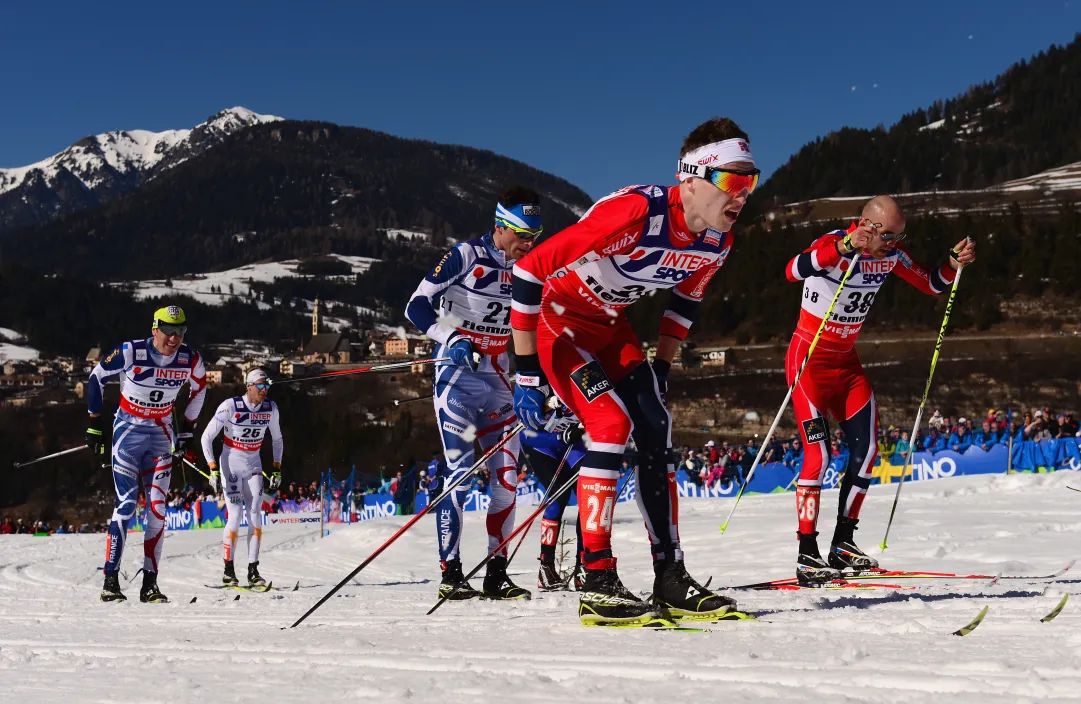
[{"x": 63, "y": 380}]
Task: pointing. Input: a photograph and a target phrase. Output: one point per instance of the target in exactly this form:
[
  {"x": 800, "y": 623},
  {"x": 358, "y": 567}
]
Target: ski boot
[
  {"x": 228, "y": 578},
  {"x": 453, "y": 585},
  {"x": 254, "y": 579},
  {"x": 679, "y": 596},
  {"x": 150, "y": 594},
  {"x": 843, "y": 551},
  {"x": 549, "y": 579},
  {"x": 497, "y": 584},
  {"x": 111, "y": 590},
  {"x": 579, "y": 579},
  {"x": 811, "y": 569},
  {"x": 606, "y": 602}
]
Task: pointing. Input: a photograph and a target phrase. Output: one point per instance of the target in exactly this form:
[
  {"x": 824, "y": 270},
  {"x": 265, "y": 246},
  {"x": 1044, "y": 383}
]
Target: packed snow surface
[{"x": 373, "y": 641}]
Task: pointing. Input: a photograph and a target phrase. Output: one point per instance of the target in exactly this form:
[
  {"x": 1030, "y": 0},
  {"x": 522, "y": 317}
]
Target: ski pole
[
  {"x": 544, "y": 498},
  {"x": 362, "y": 370},
  {"x": 791, "y": 389},
  {"x": 403, "y": 401},
  {"x": 409, "y": 524},
  {"x": 923, "y": 401},
  {"x": 49, "y": 457},
  {"x": 194, "y": 466},
  {"x": 525, "y": 525}
]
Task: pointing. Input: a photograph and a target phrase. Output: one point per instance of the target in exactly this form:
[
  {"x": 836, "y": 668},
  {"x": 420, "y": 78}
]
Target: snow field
[{"x": 59, "y": 644}]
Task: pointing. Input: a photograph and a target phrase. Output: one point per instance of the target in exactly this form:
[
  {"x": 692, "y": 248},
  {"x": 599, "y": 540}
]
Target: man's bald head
[{"x": 885, "y": 211}]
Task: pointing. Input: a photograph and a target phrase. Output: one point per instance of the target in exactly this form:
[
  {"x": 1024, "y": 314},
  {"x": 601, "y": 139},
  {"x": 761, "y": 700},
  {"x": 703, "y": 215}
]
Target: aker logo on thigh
[
  {"x": 814, "y": 429},
  {"x": 591, "y": 380}
]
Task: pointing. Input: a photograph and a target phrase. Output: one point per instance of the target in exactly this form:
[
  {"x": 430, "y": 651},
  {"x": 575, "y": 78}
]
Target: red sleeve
[
  {"x": 612, "y": 226},
  {"x": 817, "y": 259},
  {"x": 686, "y": 297},
  {"x": 931, "y": 282}
]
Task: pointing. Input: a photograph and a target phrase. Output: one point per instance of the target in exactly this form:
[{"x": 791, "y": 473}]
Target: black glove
[
  {"x": 660, "y": 370},
  {"x": 96, "y": 438},
  {"x": 184, "y": 438},
  {"x": 572, "y": 434}
]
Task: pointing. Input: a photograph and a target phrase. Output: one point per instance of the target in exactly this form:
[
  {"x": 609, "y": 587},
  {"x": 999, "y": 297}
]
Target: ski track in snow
[{"x": 59, "y": 644}]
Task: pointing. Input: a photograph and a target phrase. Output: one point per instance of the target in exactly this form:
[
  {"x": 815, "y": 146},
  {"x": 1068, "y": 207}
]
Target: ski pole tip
[
  {"x": 882, "y": 546},
  {"x": 724, "y": 527}
]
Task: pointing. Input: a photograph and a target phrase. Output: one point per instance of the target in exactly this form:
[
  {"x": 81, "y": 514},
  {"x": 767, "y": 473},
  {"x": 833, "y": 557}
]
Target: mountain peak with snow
[{"x": 97, "y": 168}]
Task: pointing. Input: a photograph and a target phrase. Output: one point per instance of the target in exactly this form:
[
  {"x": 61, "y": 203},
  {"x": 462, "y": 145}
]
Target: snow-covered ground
[
  {"x": 373, "y": 641},
  {"x": 10, "y": 349}
]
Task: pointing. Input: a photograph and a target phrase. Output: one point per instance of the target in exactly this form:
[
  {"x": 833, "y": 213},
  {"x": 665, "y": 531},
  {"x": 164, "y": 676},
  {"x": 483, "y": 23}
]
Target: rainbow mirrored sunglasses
[
  {"x": 733, "y": 182},
  {"x": 524, "y": 233}
]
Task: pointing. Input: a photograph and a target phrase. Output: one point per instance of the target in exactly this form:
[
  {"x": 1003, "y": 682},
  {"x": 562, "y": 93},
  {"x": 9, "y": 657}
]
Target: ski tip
[
  {"x": 193, "y": 600},
  {"x": 1067, "y": 568},
  {"x": 236, "y": 598},
  {"x": 965, "y": 630},
  {"x": 1057, "y": 610},
  {"x": 297, "y": 586}
]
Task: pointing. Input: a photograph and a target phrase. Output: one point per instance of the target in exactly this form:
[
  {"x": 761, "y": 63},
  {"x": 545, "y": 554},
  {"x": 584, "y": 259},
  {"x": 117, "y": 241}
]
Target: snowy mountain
[{"x": 98, "y": 168}]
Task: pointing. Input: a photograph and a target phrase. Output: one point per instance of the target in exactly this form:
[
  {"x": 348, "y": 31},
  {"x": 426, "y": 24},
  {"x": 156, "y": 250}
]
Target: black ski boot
[
  {"x": 549, "y": 579},
  {"x": 111, "y": 590},
  {"x": 843, "y": 551},
  {"x": 254, "y": 579},
  {"x": 811, "y": 569},
  {"x": 454, "y": 584},
  {"x": 150, "y": 594},
  {"x": 228, "y": 578},
  {"x": 497, "y": 584},
  {"x": 606, "y": 602},
  {"x": 579, "y": 578},
  {"x": 676, "y": 594}
]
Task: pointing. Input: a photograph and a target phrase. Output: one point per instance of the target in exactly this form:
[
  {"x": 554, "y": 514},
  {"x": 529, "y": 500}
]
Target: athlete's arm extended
[
  {"x": 823, "y": 254},
  {"x": 423, "y": 307},
  {"x": 275, "y": 430},
  {"x": 217, "y": 422},
  {"x": 117, "y": 361}
]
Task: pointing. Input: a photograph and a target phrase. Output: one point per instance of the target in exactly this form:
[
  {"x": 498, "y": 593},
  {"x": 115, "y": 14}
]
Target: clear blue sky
[{"x": 598, "y": 93}]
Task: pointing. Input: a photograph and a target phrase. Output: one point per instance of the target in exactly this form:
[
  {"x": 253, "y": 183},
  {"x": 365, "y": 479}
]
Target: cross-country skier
[
  {"x": 544, "y": 451},
  {"x": 570, "y": 333},
  {"x": 246, "y": 420},
  {"x": 834, "y": 381},
  {"x": 464, "y": 304},
  {"x": 144, "y": 442}
]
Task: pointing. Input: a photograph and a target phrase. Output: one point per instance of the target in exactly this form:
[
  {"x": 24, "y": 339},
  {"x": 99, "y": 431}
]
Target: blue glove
[
  {"x": 660, "y": 370},
  {"x": 460, "y": 349},
  {"x": 530, "y": 392}
]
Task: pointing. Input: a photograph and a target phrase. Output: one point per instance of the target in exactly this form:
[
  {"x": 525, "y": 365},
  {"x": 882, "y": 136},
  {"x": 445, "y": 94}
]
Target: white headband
[{"x": 713, "y": 155}]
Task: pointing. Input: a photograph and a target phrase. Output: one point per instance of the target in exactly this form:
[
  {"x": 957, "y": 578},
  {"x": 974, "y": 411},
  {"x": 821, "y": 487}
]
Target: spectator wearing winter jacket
[
  {"x": 793, "y": 456},
  {"x": 934, "y": 442},
  {"x": 985, "y": 438},
  {"x": 901, "y": 448},
  {"x": 961, "y": 438}
]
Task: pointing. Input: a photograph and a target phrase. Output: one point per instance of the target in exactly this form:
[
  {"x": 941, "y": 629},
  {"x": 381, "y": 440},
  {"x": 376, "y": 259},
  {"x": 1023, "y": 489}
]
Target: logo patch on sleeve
[
  {"x": 814, "y": 430},
  {"x": 591, "y": 380}
]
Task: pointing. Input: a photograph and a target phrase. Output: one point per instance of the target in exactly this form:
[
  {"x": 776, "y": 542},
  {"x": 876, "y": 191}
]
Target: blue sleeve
[
  {"x": 112, "y": 364},
  {"x": 423, "y": 307},
  {"x": 549, "y": 443}
]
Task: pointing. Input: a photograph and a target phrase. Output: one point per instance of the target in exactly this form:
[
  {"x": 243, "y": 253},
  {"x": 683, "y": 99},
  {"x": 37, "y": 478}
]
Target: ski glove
[
  {"x": 460, "y": 349},
  {"x": 275, "y": 481},
  {"x": 660, "y": 370},
  {"x": 184, "y": 438},
  {"x": 573, "y": 434},
  {"x": 531, "y": 390},
  {"x": 215, "y": 480},
  {"x": 95, "y": 434}
]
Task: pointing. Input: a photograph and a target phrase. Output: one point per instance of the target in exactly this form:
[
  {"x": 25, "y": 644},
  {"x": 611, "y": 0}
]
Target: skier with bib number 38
[
  {"x": 572, "y": 336},
  {"x": 834, "y": 381}
]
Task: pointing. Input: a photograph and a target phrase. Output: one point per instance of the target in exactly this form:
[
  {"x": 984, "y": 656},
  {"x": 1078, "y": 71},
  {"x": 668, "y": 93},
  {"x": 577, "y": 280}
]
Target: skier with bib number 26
[
  {"x": 572, "y": 336},
  {"x": 834, "y": 381}
]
